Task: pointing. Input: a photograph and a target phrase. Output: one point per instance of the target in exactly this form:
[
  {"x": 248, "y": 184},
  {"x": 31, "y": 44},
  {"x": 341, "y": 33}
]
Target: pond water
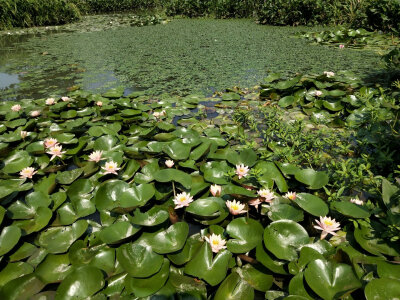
[{"x": 181, "y": 57}]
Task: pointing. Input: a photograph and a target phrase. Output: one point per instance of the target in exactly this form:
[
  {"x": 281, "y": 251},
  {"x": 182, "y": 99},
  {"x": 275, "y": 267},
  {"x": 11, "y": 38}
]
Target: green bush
[
  {"x": 392, "y": 59},
  {"x": 104, "y": 6},
  {"x": 27, "y": 13}
]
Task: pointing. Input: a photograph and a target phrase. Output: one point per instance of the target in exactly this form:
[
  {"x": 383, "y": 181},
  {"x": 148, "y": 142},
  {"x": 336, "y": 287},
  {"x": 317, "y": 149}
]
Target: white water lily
[
  {"x": 16, "y": 107},
  {"x": 235, "y": 207},
  {"x": 329, "y": 74},
  {"x": 99, "y": 103},
  {"x": 216, "y": 190},
  {"x": 27, "y": 172},
  {"x": 51, "y": 142},
  {"x": 327, "y": 225},
  {"x": 357, "y": 201},
  {"x": 50, "y": 101},
  {"x": 255, "y": 202},
  {"x": 159, "y": 114},
  {"x": 266, "y": 194},
  {"x": 111, "y": 167},
  {"x": 242, "y": 171},
  {"x": 318, "y": 93},
  {"x": 96, "y": 156},
  {"x": 291, "y": 195},
  {"x": 55, "y": 152},
  {"x": 35, "y": 113},
  {"x": 65, "y": 99},
  {"x": 24, "y": 134},
  {"x": 182, "y": 199},
  {"x": 216, "y": 242},
  {"x": 169, "y": 163}
]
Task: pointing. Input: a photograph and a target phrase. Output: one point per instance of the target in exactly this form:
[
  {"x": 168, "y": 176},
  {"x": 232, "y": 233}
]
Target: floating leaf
[
  {"x": 247, "y": 234},
  {"x": 314, "y": 179},
  {"x": 312, "y": 204}
]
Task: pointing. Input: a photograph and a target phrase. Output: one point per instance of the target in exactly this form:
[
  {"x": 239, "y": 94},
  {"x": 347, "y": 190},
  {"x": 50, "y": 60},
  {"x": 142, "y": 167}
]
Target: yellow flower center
[
  {"x": 182, "y": 199},
  {"x": 327, "y": 222},
  {"x": 235, "y": 207},
  {"x": 215, "y": 242}
]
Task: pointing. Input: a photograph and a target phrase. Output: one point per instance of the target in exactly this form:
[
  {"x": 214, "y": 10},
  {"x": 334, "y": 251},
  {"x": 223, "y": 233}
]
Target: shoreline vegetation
[{"x": 369, "y": 14}]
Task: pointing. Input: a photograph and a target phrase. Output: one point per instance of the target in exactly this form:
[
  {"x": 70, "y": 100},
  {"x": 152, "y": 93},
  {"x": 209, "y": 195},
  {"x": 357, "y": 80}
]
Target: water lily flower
[
  {"x": 242, "y": 171},
  {"x": 27, "y": 172},
  {"x": 357, "y": 201},
  {"x": 50, "y": 101},
  {"x": 216, "y": 190},
  {"x": 56, "y": 152},
  {"x": 159, "y": 114},
  {"x": 327, "y": 225},
  {"x": 341, "y": 46},
  {"x": 24, "y": 134},
  {"x": 111, "y": 167},
  {"x": 291, "y": 195},
  {"x": 216, "y": 242},
  {"x": 329, "y": 74},
  {"x": 16, "y": 107},
  {"x": 266, "y": 194},
  {"x": 96, "y": 156},
  {"x": 65, "y": 99},
  {"x": 255, "y": 202},
  {"x": 35, "y": 113},
  {"x": 182, "y": 199},
  {"x": 317, "y": 93},
  {"x": 169, "y": 163},
  {"x": 51, "y": 142},
  {"x": 235, "y": 207},
  {"x": 99, "y": 103}
]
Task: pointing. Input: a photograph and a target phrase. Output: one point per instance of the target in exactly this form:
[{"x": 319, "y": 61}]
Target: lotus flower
[
  {"x": 169, "y": 163},
  {"x": 56, "y": 152},
  {"x": 65, "y": 99},
  {"x": 291, "y": 195},
  {"x": 242, "y": 171},
  {"x": 357, "y": 201},
  {"x": 111, "y": 167},
  {"x": 235, "y": 207},
  {"x": 48, "y": 143},
  {"x": 327, "y": 225},
  {"x": 16, "y": 107},
  {"x": 50, "y": 101},
  {"x": 35, "y": 113},
  {"x": 96, "y": 156},
  {"x": 182, "y": 199},
  {"x": 266, "y": 194},
  {"x": 27, "y": 172},
  {"x": 216, "y": 190},
  {"x": 329, "y": 74},
  {"x": 99, "y": 103},
  {"x": 24, "y": 134},
  {"x": 317, "y": 93},
  {"x": 216, "y": 242}
]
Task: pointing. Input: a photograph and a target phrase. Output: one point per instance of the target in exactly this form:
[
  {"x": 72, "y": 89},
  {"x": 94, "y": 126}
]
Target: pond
[{"x": 180, "y": 57}]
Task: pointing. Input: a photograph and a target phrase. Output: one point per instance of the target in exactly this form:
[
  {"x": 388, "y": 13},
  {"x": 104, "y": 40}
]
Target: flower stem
[{"x": 173, "y": 187}]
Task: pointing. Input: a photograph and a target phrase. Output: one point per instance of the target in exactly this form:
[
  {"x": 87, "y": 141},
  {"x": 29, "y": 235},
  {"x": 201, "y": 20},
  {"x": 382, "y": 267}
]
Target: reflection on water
[{"x": 7, "y": 80}]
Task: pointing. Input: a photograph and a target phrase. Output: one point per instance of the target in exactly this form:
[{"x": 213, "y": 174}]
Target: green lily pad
[
  {"x": 170, "y": 240},
  {"x": 9, "y": 237},
  {"x": 351, "y": 210},
  {"x": 285, "y": 212},
  {"x": 177, "y": 150},
  {"x": 382, "y": 289},
  {"x": 330, "y": 280},
  {"x": 117, "y": 232},
  {"x": 284, "y": 238},
  {"x": 170, "y": 174},
  {"x": 258, "y": 279},
  {"x": 13, "y": 271},
  {"x": 21, "y": 288},
  {"x": 154, "y": 216},
  {"x": 247, "y": 234},
  {"x": 54, "y": 268},
  {"x": 314, "y": 179},
  {"x": 234, "y": 288},
  {"x": 16, "y": 162},
  {"x": 312, "y": 204}
]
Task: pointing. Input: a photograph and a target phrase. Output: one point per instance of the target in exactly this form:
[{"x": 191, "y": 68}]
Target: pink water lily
[
  {"x": 235, "y": 207},
  {"x": 266, "y": 194},
  {"x": 51, "y": 142},
  {"x": 27, "y": 172},
  {"x": 182, "y": 199},
  {"x": 23, "y": 134},
  {"x": 318, "y": 93},
  {"x": 169, "y": 163},
  {"x": 99, "y": 103},
  {"x": 111, "y": 167},
  {"x": 215, "y": 190},
  {"x": 329, "y": 74},
  {"x": 65, "y": 99},
  {"x": 291, "y": 195},
  {"x": 216, "y": 242},
  {"x": 242, "y": 171},
  {"x": 341, "y": 46},
  {"x": 96, "y": 156},
  {"x": 35, "y": 113},
  {"x": 255, "y": 202},
  {"x": 327, "y": 225},
  {"x": 56, "y": 152},
  {"x": 50, "y": 101},
  {"x": 16, "y": 107}
]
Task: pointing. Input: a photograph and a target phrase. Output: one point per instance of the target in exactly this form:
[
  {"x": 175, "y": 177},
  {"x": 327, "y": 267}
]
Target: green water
[{"x": 183, "y": 56}]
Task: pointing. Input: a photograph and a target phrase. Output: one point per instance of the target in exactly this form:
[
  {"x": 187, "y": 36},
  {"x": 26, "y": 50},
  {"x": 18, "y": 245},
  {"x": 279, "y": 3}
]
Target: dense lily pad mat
[
  {"x": 116, "y": 200},
  {"x": 184, "y": 56}
]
